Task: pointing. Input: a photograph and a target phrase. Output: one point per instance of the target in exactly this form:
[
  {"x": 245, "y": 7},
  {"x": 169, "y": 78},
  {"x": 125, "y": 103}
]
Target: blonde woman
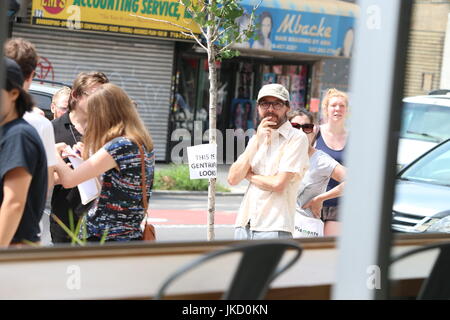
[
  {"x": 331, "y": 138},
  {"x": 113, "y": 137}
]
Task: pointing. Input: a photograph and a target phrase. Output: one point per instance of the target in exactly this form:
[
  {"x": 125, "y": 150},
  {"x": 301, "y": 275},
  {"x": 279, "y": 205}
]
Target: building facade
[
  {"x": 305, "y": 45},
  {"x": 426, "y": 58}
]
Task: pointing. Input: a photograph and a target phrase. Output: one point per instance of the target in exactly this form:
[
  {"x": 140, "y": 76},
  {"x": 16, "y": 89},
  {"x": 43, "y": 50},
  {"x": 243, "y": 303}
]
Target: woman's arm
[
  {"x": 97, "y": 164},
  {"x": 338, "y": 173},
  {"x": 316, "y": 203},
  {"x": 15, "y": 189}
]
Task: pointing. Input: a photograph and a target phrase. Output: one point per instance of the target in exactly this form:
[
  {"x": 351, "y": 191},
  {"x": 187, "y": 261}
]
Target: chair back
[
  {"x": 437, "y": 285},
  {"x": 258, "y": 267}
]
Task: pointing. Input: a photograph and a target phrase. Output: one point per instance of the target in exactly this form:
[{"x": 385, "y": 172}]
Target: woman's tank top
[{"x": 336, "y": 155}]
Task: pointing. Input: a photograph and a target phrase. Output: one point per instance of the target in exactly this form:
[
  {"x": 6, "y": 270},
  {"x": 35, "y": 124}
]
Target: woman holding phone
[{"x": 115, "y": 141}]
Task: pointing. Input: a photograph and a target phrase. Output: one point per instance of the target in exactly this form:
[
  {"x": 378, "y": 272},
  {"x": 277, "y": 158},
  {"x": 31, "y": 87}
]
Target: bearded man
[{"x": 274, "y": 162}]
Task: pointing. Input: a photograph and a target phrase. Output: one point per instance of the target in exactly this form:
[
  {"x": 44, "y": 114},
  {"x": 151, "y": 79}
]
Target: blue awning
[{"x": 331, "y": 7}]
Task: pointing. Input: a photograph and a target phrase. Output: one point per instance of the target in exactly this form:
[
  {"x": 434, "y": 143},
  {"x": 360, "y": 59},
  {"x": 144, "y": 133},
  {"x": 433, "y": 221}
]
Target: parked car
[
  {"x": 422, "y": 193},
  {"x": 42, "y": 93},
  {"x": 425, "y": 123}
]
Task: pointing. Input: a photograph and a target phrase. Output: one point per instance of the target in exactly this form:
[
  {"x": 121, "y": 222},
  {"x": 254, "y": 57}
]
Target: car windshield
[
  {"x": 433, "y": 168},
  {"x": 425, "y": 122}
]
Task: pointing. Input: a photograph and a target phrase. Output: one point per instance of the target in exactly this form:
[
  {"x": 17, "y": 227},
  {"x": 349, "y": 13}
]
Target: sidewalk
[{"x": 222, "y": 174}]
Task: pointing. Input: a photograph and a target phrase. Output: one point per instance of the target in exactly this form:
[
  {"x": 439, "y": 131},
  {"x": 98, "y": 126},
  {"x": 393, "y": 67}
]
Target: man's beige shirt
[{"x": 287, "y": 151}]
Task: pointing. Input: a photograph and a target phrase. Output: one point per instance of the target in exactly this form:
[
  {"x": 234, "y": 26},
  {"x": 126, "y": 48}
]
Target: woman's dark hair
[
  {"x": 24, "y": 101},
  {"x": 301, "y": 112},
  {"x": 264, "y": 15}
]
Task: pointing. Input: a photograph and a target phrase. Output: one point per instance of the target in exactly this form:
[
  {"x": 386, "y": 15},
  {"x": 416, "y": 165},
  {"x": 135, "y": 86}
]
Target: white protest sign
[{"x": 202, "y": 161}]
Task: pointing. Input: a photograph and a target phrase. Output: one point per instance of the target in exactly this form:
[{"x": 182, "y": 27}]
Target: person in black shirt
[
  {"x": 23, "y": 165},
  {"x": 69, "y": 129}
]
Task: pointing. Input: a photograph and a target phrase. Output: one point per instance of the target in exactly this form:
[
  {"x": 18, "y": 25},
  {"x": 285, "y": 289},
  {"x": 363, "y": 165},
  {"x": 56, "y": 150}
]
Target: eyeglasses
[
  {"x": 277, "y": 105},
  {"x": 307, "y": 127},
  {"x": 61, "y": 108},
  {"x": 64, "y": 109}
]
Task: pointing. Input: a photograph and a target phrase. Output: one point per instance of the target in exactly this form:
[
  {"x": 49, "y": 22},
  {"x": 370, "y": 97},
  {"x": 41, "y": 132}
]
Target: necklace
[{"x": 73, "y": 135}]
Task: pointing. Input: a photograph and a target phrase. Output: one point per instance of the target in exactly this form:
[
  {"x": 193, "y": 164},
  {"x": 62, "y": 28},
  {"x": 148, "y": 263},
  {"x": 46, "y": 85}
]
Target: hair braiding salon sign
[{"x": 311, "y": 27}]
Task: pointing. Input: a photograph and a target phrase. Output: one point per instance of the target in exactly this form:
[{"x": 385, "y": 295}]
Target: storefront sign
[
  {"x": 299, "y": 30},
  {"x": 119, "y": 16},
  {"x": 202, "y": 161}
]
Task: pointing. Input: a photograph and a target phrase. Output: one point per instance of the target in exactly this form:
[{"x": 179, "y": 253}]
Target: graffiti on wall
[{"x": 44, "y": 69}]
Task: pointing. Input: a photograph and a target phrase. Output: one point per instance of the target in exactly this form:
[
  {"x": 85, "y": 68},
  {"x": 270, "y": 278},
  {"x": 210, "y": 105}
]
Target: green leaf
[
  {"x": 84, "y": 230},
  {"x": 210, "y": 23},
  {"x": 71, "y": 221},
  {"x": 78, "y": 227},
  {"x": 67, "y": 230},
  {"x": 215, "y": 10},
  {"x": 201, "y": 18},
  {"x": 105, "y": 234},
  {"x": 227, "y": 54},
  {"x": 234, "y": 14},
  {"x": 29, "y": 243}
]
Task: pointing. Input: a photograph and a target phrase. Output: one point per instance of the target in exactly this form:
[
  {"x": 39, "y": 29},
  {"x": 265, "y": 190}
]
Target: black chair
[
  {"x": 256, "y": 270},
  {"x": 437, "y": 285}
]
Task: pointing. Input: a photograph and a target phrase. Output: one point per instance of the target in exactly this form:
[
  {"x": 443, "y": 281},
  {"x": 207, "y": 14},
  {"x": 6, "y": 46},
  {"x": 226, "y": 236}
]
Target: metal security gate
[{"x": 143, "y": 67}]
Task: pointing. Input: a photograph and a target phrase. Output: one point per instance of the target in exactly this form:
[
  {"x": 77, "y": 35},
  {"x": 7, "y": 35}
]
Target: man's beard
[{"x": 275, "y": 118}]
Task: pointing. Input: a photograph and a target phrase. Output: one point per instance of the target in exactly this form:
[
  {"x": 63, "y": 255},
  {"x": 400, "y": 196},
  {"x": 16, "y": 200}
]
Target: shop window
[
  {"x": 183, "y": 109},
  {"x": 293, "y": 77},
  {"x": 243, "y": 108},
  {"x": 239, "y": 81},
  {"x": 249, "y": 79}
]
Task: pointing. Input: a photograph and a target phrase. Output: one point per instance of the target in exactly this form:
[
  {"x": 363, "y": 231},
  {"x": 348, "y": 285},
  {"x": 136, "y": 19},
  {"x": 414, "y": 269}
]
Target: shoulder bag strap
[{"x": 144, "y": 182}]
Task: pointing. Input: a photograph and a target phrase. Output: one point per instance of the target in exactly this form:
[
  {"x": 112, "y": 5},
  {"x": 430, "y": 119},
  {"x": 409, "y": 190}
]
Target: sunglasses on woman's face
[{"x": 307, "y": 127}]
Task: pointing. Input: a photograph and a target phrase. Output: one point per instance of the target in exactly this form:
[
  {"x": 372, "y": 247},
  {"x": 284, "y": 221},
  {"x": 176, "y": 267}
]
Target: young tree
[{"x": 219, "y": 31}]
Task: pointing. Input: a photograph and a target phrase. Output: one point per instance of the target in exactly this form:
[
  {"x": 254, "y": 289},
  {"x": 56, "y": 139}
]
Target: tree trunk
[{"x": 212, "y": 129}]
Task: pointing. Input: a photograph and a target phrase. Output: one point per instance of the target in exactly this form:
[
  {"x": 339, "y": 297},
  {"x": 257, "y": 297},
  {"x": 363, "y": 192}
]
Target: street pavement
[{"x": 182, "y": 216}]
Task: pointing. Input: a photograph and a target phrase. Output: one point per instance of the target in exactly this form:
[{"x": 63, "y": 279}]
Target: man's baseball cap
[
  {"x": 14, "y": 76},
  {"x": 274, "y": 90}
]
